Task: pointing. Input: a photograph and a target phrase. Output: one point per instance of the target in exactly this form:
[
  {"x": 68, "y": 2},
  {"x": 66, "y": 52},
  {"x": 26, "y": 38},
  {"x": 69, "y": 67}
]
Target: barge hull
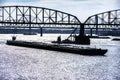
[{"x": 89, "y": 51}]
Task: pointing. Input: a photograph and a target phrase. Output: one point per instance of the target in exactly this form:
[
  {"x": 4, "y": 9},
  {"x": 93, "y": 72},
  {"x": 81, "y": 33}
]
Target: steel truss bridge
[
  {"x": 38, "y": 17},
  {"x": 35, "y": 17},
  {"x": 105, "y": 20}
]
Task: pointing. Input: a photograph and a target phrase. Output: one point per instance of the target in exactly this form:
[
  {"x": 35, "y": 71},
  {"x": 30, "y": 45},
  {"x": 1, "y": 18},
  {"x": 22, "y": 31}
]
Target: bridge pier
[
  {"x": 91, "y": 32},
  {"x": 97, "y": 29},
  {"x": 29, "y": 29},
  {"x": 82, "y": 29},
  {"x": 82, "y": 38},
  {"x": 41, "y": 32}
]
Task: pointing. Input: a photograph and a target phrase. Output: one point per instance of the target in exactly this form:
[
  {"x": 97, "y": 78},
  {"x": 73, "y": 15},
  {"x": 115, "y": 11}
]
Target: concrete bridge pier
[
  {"x": 41, "y": 32},
  {"x": 91, "y": 32},
  {"x": 81, "y": 38}
]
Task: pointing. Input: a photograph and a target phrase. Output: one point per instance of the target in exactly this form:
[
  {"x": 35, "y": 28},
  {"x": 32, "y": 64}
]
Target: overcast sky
[{"x": 80, "y": 8}]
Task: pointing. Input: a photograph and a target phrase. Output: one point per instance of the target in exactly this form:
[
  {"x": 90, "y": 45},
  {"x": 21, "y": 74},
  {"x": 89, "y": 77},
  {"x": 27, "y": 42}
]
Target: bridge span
[
  {"x": 36, "y": 17},
  {"x": 31, "y": 17},
  {"x": 106, "y": 20}
]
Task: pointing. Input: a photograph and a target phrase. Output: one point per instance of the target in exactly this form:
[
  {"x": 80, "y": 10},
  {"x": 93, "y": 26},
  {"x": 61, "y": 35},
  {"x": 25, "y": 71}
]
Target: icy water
[{"x": 20, "y": 63}]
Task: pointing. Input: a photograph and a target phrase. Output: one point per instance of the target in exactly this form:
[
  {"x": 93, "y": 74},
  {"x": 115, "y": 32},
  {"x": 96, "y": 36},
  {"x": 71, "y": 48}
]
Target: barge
[
  {"x": 116, "y": 39},
  {"x": 58, "y": 47}
]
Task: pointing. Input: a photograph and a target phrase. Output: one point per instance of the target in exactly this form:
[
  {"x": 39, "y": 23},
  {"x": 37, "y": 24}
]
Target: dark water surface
[{"x": 20, "y": 63}]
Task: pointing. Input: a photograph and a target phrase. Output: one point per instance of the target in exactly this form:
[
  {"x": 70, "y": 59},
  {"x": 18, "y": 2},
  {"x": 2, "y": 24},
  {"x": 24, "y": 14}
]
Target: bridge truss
[
  {"x": 105, "y": 20},
  {"x": 31, "y": 17},
  {"x": 36, "y": 17}
]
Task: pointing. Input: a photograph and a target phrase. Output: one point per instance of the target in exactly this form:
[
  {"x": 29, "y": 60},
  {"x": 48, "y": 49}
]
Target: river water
[{"x": 20, "y": 63}]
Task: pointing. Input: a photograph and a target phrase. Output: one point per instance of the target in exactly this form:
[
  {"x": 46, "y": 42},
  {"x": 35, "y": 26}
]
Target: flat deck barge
[
  {"x": 116, "y": 39},
  {"x": 58, "y": 47}
]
